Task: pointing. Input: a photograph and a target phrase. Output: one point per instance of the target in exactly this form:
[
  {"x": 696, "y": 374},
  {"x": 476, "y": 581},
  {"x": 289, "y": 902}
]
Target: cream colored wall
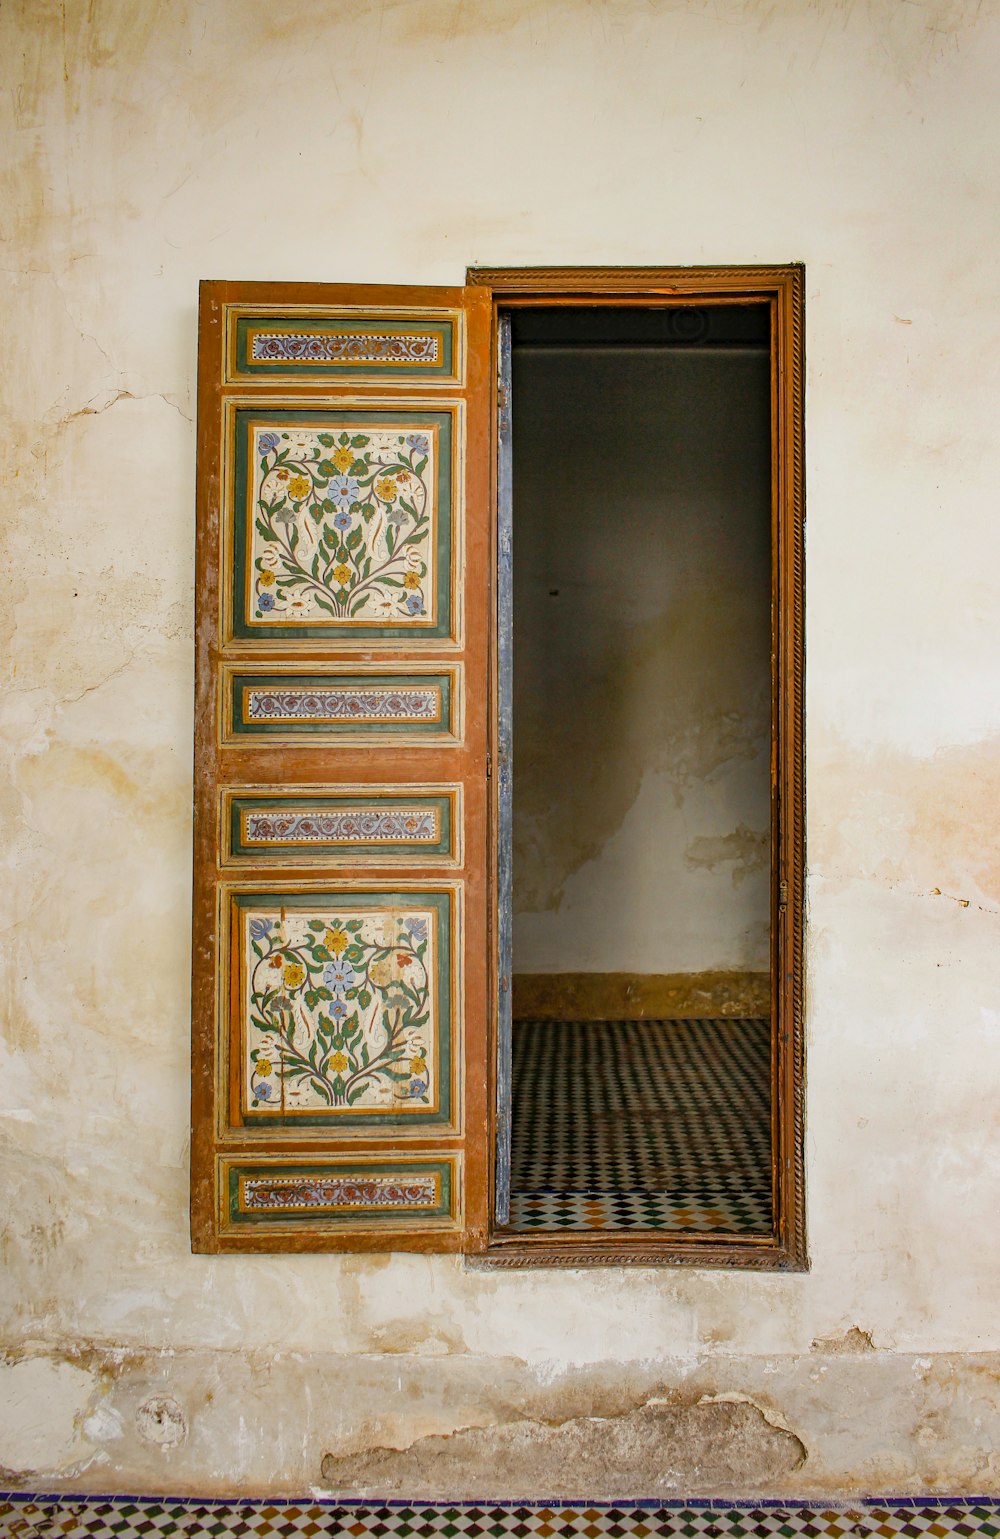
[
  {"x": 149, "y": 145},
  {"x": 642, "y": 689}
]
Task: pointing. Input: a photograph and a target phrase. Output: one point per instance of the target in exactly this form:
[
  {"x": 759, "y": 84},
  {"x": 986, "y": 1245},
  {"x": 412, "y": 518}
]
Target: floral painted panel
[
  {"x": 341, "y": 1009},
  {"x": 344, "y": 525},
  {"x": 306, "y": 826},
  {"x": 409, "y": 825},
  {"x": 345, "y": 347},
  {"x": 380, "y": 1190},
  {"x": 385, "y": 346},
  {"x": 338, "y": 706}
]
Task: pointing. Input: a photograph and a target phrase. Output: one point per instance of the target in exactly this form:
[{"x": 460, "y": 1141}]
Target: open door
[
  {"x": 648, "y": 1058},
  {"x": 340, "y": 909}
]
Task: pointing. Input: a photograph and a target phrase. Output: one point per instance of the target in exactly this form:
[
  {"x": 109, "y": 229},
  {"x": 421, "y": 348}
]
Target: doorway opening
[{"x": 638, "y": 841}]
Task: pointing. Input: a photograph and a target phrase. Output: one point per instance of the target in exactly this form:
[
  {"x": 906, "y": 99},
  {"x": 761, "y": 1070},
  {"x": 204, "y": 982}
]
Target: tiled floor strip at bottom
[{"x": 24, "y": 1516}]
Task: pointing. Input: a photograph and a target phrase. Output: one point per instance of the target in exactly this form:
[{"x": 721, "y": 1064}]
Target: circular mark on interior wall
[
  {"x": 688, "y": 325},
  {"x": 162, "y": 1421}
]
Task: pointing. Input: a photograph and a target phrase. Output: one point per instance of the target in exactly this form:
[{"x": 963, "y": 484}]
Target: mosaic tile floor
[
  {"x": 93, "y": 1517},
  {"x": 628, "y": 1125}
]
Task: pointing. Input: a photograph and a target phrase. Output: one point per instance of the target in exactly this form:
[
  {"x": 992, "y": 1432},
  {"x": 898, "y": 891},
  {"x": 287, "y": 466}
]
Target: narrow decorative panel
[
  {"x": 342, "y": 524},
  {"x": 341, "y": 346},
  {"x": 340, "y": 706},
  {"x": 344, "y": 1007},
  {"x": 304, "y": 825},
  {"x": 374, "y": 1191},
  {"x": 342, "y": 611}
]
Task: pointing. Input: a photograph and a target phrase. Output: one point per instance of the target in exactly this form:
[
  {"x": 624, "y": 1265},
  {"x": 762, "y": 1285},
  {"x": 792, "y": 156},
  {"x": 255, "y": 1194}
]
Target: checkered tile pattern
[
  {"x": 31, "y": 1517},
  {"x": 642, "y": 1125}
]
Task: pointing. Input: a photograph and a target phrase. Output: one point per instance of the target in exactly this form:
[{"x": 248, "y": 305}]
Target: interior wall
[
  {"x": 146, "y": 146},
  {"x": 642, "y": 605}
]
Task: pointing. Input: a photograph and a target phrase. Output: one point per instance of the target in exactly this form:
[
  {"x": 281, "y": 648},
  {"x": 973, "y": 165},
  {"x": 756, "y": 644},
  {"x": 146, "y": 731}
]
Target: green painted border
[
  {"x": 366, "y": 1215},
  {"x": 272, "y": 368},
  {"x": 261, "y": 416},
  {"x": 345, "y": 803},
  {"x": 371, "y": 900},
  {"x": 388, "y": 729}
]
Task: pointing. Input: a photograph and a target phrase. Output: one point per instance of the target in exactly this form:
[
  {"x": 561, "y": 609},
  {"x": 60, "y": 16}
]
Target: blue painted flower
[
  {"x": 263, "y": 1091},
  {"x": 268, "y": 441},
  {"x": 418, "y": 1087},
  {"x": 415, "y": 603},
  {"x": 260, "y": 927},
  {"x": 265, "y": 601},
  {"x": 343, "y": 520},
  {"x": 343, "y": 490},
  {"x": 418, "y": 443},
  {"x": 339, "y": 976},
  {"x": 338, "y": 1009},
  {"x": 417, "y": 929}
]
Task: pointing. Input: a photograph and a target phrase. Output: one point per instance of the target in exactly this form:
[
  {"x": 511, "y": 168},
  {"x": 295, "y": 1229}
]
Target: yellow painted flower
[
  {"x": 266, "y": 579},
  {"x": 380, "y": 973},
  {"x": 343, "y": 459},
  {"x": 263, "y": 1066},
  {"x": 337, "y": 1062},
  {"x": 336, "y": 941},
  {"x": 342, "y": 574},
  {"x": 418, "y": 1065},
  {"x": 386, "y": 489},
  {"x": 299, "y": 487},
  {"x": 293, "y": 975},
  {"x": 411, "y": 580}
]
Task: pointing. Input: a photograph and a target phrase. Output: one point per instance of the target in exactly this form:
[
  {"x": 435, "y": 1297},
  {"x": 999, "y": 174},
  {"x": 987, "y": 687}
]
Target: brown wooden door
[{"x": 340, "y": 905}]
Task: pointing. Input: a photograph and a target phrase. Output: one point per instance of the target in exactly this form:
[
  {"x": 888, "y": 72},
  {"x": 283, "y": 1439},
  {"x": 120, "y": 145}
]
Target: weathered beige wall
[
  {"x": 642, "y": 688},
  {"x": 151, "y": 144}
]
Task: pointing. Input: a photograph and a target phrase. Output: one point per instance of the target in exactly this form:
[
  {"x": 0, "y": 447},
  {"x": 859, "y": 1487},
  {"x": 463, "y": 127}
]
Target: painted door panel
[{"x": 340, "y": 942}]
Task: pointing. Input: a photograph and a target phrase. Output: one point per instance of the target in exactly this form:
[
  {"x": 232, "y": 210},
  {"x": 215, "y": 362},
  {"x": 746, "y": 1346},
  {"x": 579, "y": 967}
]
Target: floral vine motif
[
  {"x": 339, "y": 1011},
  {"x": 343, "y": 526}
]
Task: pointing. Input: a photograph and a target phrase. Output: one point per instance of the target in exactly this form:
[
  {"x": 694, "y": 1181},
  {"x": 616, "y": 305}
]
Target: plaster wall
[
  {"x": 642, "y": 689},
  {"x": 147, "y": 146}
]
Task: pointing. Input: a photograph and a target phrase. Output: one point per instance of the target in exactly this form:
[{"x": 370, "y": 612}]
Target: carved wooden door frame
[{"x": 782, "y": 289}]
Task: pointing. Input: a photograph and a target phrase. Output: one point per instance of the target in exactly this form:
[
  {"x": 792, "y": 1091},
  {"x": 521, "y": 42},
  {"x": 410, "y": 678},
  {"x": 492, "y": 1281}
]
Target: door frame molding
[{"x": 782, "y": 288}]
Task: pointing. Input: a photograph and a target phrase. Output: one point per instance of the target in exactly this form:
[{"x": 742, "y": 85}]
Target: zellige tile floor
[
  {"x": 24, "y": 1516},
  {"x": 642, "y": 1125}
]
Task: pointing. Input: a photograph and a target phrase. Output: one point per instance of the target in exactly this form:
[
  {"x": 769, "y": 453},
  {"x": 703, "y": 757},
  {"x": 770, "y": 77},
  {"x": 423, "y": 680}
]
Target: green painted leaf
[
  {"x": 326, "y": 439},
  {"x": 359, "y": 440}
]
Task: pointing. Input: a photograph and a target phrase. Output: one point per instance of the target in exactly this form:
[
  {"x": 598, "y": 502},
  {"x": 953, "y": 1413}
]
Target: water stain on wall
[
  {"x": 659, "y": 700},
  {"x": 745, "y": 849}
]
